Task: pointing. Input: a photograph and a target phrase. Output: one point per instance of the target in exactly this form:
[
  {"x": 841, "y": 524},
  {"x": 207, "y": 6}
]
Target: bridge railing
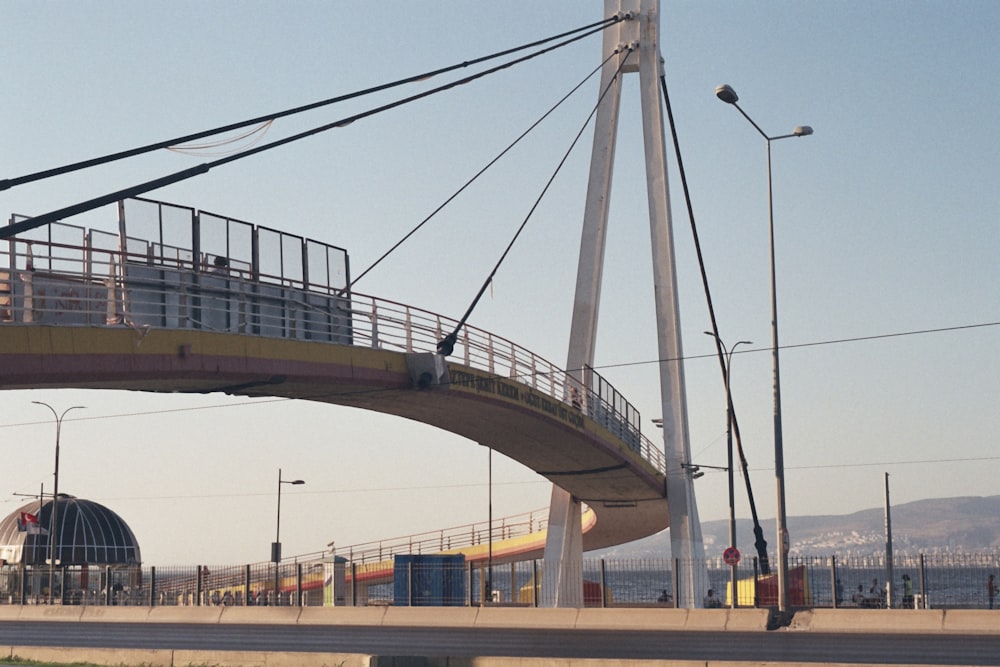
[
  {"x": 72, "y": 276},
  {"x": 384, "y": 324},
  {"x": 447, "y": 539}
]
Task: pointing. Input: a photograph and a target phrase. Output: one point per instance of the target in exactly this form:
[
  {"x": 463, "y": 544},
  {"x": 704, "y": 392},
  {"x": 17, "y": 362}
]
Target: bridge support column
[
  {"x": 686, "y": 545},
  {"x": 640, "y": 30},
  {"x": 562, "y": 571}
]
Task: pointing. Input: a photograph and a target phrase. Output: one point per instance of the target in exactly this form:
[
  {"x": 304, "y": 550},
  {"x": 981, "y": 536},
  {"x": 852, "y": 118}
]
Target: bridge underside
[{"x": 550, "y": 437}]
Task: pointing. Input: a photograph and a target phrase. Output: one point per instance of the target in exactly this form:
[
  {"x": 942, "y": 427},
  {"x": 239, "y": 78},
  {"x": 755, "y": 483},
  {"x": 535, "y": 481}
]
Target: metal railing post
[
  {"x": 756, "y": 580},
  {"x": 923, "y": 587},
  {"x": 535, "y": 584},
  {"x": 409, "y": 584},
  {"x": 677, "y": 580},
  {"x": 408, "y": 323},
  {"x": 468, "y": 584},
  {"x": 354, "y": 584},
  {"x": 833, "y": 580},
  {"x": 604, "y": 589},
  {"x": 298, "y": 583}
]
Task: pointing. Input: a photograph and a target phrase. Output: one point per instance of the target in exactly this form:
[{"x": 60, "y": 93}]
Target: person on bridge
[
  {"x": 875, "y": 593},
  {"x": 991, "y": 589},
  {"x": 712, "y": 602},
  {"x": 220, "y": 265},
  {"x": 907, "y": 592}
]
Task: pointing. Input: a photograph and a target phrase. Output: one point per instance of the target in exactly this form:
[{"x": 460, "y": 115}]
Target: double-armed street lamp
[
  {"x": 54, "y": 514},
  {"x": 729, "y": 96},
  {"x": 728, "y": 352},
  {"x": 276, "y": 545}
]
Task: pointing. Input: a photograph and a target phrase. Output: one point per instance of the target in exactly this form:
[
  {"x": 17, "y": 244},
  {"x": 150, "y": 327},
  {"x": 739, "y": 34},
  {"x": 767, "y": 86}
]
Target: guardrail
[
  {"x": 88, "y": 281},
  {"x": 939, "y": 581}
]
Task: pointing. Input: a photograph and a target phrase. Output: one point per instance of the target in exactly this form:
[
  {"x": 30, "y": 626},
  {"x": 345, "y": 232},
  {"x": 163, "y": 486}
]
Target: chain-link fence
[{"x": 967, "y": 581}]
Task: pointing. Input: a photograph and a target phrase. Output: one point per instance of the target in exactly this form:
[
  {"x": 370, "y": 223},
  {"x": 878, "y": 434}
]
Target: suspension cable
[
  {"x": 447, "y": 344},
  {"x": 6, "y": 184},
  {"x": 760, "y": 543},
  {"x": 469, "y": 182},
  {"x": 136, "y": 190}
]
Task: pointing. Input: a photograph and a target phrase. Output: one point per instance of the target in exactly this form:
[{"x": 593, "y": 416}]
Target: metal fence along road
[{"x": 950, "y": 581}]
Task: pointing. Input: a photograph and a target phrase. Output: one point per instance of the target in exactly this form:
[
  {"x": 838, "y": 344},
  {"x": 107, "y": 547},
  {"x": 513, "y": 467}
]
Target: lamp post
[
  {"x": 53, "y": 515},
  {"x": 729, "y": 96},
  {"x": 276, "y": 545},
  {"x": 729, "y": 454},
  {"x": 489, "y": 569}
]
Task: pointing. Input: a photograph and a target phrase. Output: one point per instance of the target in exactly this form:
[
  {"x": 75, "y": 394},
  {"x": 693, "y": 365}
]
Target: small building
[{"x": 96, "y": 553}]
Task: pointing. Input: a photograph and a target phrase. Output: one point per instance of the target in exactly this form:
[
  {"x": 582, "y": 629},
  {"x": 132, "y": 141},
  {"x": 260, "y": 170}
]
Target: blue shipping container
[{"x": 429, "y": 580}]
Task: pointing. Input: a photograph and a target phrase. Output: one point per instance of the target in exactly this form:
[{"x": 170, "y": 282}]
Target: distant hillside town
[{"x": 941, "y": 525}]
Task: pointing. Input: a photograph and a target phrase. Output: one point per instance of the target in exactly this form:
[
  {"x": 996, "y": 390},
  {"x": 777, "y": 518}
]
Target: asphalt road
[{"x": 775, "y": 646}]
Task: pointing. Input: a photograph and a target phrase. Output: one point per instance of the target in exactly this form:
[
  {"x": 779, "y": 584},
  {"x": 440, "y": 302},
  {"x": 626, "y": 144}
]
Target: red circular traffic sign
[{"x": 731, "y": 556}]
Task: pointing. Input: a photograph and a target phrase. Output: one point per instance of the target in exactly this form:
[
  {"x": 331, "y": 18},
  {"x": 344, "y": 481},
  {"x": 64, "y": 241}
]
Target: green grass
[
  {"x": 40, "y": 663},
  {"x": 35, "y": 663}
]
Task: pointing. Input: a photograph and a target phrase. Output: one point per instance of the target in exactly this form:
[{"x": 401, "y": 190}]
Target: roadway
[{"x": 775, "y": 647}]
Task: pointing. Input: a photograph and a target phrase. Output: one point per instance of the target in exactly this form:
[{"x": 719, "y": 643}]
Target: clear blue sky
[{"x": 886, "y": 223}]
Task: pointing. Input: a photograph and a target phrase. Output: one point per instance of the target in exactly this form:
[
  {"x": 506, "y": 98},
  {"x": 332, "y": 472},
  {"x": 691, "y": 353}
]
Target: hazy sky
[{"x": 886, "y": 221}]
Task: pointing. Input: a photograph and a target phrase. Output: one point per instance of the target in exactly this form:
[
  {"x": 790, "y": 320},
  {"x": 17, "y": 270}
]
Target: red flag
[{"x": 29, "y": 523}]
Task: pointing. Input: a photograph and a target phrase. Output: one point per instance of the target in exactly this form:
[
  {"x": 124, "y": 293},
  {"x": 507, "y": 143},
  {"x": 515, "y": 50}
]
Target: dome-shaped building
[
  {"x": 88, "y": 536},
  {"x": 87, "y": 533}
]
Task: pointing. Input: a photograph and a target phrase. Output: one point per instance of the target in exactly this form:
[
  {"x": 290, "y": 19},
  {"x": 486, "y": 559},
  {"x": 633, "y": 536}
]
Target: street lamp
[
  {"x": 489, "y": 570},
  {"x": 729, "y": 454},
  {"x": 276, "y": 545},
  {"x": 53, "y": 515},
  {"x": 729, "y": 96}
]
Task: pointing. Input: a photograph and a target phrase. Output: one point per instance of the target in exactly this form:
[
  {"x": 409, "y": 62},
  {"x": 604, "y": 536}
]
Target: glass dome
[{"x": 88, "y": 533}]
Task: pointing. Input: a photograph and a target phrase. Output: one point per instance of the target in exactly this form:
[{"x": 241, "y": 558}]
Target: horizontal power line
[
  {"x": 833, "y": 341},
  {"x": 484, "y": 484},
  {"x": 82, "y": 417}
]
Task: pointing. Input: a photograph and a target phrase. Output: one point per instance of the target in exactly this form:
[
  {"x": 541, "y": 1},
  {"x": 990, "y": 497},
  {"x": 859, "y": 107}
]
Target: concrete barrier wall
[
  {"x": 918, "y": 621},
  {"x": 742, "y": 620},
  {"x": 927, "y": 621}
]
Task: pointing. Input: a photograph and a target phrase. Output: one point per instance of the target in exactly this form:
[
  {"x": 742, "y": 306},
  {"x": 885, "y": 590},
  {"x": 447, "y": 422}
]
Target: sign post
[{"x": 731, "y": 557}]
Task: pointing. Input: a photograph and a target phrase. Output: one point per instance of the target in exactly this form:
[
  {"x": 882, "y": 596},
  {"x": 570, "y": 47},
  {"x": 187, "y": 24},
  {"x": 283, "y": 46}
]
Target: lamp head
[
  {"x": 296, "y": 481},
  {"x": 726, "y": 93},
  {"x": 802, "y": 131}
]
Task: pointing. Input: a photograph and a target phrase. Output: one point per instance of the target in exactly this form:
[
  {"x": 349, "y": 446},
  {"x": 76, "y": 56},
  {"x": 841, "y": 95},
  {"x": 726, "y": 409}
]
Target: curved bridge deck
[{"x": 74, "y": 315}]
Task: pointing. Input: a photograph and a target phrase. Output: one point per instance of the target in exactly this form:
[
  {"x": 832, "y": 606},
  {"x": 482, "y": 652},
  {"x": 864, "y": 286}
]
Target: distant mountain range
[{"x": 963, "y": 525}]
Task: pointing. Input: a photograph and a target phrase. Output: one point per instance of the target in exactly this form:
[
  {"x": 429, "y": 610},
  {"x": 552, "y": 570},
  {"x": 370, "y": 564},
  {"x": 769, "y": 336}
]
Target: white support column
[
  {"x": 562, "y": 569},
  {"x": 562, "y": 583},
  {"x": 562, "y": 579},
  {"x": 686, "y": 544},
  {"x": 587, "y": 301}
]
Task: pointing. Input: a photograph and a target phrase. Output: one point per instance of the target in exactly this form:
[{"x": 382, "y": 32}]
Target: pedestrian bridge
[{"x": 262, "y": 314}]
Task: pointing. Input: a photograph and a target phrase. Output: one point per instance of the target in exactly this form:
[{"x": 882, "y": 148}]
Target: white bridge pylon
[{"x": 636, "y": 42}]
